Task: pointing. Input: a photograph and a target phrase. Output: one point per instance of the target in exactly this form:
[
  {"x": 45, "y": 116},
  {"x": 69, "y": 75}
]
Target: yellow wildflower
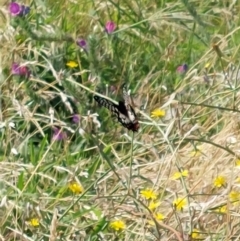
[
  {"x": 149, "y": 194},
  {"x": 75, "y": 187},
  {"x": 219, "y": 181},
  {"x": 72, "y": 64},
  {"x": 222, "y": 209},
  {"x": 180, "y": 203},
  {"x": 34, "y": 222},
  {"x": 118, "y": 225},
  {"x": 237, "y": 163},
  {"x": 153, "y": 205},
  {"x": 234, "y": 197},
  {"x": 158, "y": 113},
  {"x": 159, "y": 216},
  {"x": 178, "y": 175},
  {"x": 196, "y": 152},
  {"x": 195, "y": 234}
]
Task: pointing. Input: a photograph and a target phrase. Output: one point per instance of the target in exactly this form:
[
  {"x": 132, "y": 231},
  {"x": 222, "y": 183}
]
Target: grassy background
[{"x": 199, "y": 132}]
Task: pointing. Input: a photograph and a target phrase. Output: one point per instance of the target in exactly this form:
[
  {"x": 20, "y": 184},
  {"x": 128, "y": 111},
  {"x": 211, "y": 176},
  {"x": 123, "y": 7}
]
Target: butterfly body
[{"x": 123, "y": 111}]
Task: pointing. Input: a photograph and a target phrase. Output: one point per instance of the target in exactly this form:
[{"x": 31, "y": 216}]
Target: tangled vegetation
[{"x": 69, "y": 170}]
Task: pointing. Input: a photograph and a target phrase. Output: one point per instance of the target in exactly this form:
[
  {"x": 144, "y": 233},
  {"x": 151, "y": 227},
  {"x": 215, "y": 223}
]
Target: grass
[{"x": 177, "y": 178}]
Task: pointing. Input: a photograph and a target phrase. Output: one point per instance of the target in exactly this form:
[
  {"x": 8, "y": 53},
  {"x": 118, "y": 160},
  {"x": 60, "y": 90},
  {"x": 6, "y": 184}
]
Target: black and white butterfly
[{"x": 124, "y": 111}]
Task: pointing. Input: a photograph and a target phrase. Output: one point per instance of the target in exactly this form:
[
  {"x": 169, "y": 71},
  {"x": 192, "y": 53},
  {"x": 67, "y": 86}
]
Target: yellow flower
[
  {"x": 75, "y": 187},
  {"x": 222, "y": 209},
  {"x": 197, "y": 152},
  {"x": 149, "y": 194},
  {"x": 237, "y": 163},
  {"x": 153, "y": 205},
  {"x": 219, "y": 181},
  {"x": 72, "y": 64},
  {"x": 158, "y": 113},
  {"x": 34, "y": 222},
  {"x": 178, "y": 175},
  {"x": 234, "y": 197},
  {"x": 195, "y": 234},
  {"x": 118, "y": 225},
  {"x": 180, "y": 203},
  {"x": 159, "y": 216}
]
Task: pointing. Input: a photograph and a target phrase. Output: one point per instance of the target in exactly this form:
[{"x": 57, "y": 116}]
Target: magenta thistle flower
[
  {"x": 182, "y": 69},
  {"x": 110, "y": 27},
  {"x": 82, "y": 43},
  {"x": 20, "y": 70},
  {"x": 24, "y": 71},
  {"x": 76, "y": 118},
  {"x": 15, "y": 69},
  {"x": 16, "y": 9},
  {"x": 58, "y": 134}
]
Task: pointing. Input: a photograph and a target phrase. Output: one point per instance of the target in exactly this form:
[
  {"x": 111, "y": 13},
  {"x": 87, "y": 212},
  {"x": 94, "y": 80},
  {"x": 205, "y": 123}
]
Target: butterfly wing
[
  {"x": 123, "y": 117},
  {"x": 124, "y": 111},
  {"x": 126, "y": 96},
  {"x": 127, "y": 101},
  {"x": 107, "y": 104}
]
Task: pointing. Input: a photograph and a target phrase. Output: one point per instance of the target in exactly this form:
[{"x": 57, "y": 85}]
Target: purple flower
[
  {"x": 24, "y": 10},
  {"x": 182, "y": 69},
  {"x": 82, "y": 43},
  {"x": 58, "y": 134},
  {"x": 110, "y": 27},
  {"x": 16, "y": 9},
  {"x": 20, "y": 70},
  {"x": 15, "y": 69},
  {"x": 76, "y": 118}
]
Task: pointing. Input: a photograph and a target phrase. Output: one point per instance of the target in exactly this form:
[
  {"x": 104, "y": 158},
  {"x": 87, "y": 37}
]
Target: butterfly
[{"x": 123, "y": 110}]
